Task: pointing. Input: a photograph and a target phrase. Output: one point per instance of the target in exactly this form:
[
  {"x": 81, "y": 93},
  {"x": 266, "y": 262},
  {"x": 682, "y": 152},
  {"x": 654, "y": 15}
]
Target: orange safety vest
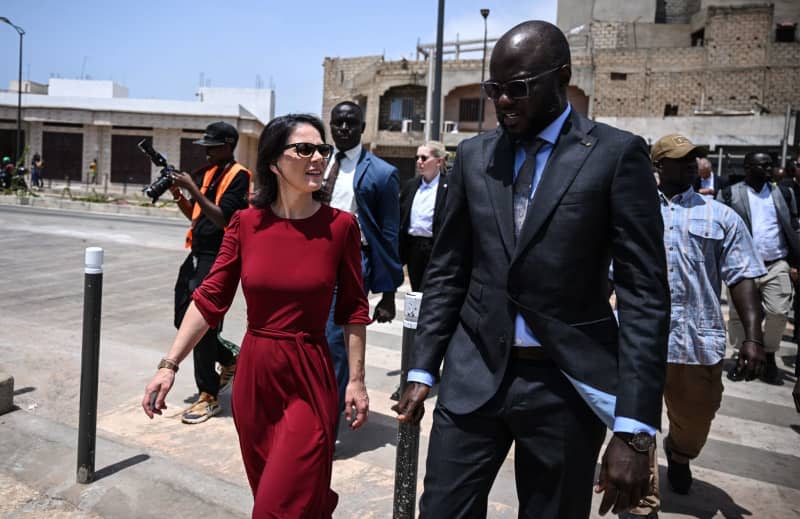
[{"x": 227, "y": 178}]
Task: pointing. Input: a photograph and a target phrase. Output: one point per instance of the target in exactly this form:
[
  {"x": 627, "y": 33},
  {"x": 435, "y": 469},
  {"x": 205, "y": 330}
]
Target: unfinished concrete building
[{"x": 722, "y": 72}]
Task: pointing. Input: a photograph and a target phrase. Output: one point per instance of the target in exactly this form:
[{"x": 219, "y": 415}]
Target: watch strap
[{"x": 169, "y": 364}]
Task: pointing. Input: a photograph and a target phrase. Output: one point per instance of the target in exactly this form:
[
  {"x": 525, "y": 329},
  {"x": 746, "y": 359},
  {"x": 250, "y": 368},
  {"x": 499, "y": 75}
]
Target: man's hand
[
  {"x": 751, "y": 360},
  {"x": 385, "y": 309},
  {"x": 355, "y": 395},
  {"x": 184, "y": 180},
  {"x": 160, "y": 384},
  {"x": 411, "y": 406},
  {"x": 793, "y": 274},
  {"x": 624, "y": 476}
]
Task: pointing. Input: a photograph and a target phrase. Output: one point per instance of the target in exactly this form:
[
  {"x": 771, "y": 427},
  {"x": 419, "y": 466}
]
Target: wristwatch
[
  {"x": 642, "y": 442},
  {"x": 166, "y": 363}
]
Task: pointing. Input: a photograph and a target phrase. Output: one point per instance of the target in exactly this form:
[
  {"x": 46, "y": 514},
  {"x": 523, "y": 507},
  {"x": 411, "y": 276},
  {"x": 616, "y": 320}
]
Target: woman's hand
[
  {"x": 156, "y": 392},
  {"x": 355, "y": 395}
]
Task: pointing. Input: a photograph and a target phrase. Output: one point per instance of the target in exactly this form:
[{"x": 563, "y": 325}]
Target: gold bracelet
[{"x": 169, "y": 364}]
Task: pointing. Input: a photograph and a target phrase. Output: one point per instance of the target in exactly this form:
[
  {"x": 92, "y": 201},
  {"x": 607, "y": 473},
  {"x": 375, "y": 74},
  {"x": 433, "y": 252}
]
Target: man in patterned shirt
[{"x": 706, "y": 243}]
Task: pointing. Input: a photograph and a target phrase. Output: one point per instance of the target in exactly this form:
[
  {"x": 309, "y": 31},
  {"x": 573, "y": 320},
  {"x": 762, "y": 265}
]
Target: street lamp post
[
  {"x": 485, "y": 14},
  {"x": 21, "y": 32},
  {"x": 436, "y": 103}
]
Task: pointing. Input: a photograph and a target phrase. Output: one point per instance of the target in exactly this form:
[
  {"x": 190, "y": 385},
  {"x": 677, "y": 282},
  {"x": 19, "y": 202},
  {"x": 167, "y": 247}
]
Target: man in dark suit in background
[
  {"x": 516, "y": 302},
  {"x": 421, "y": 204},
  {"x": 707, "y": 182},
  {"x": 361, "y": 183}
]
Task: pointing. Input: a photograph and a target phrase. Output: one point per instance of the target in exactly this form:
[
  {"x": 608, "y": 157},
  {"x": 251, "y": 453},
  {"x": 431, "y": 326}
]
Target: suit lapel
[
  {"x": 566, "y": 159},
  {"x": 498, "y": 154},
  {"x": 408, "y": 202},
  {"x": 742, "y": 204},
  {"x": 361, "y": 169}
]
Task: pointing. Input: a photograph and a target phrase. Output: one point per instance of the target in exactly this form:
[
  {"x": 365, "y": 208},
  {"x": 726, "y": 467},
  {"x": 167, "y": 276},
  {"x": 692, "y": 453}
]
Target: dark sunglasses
[
  {"x": 516, "y": 88},
  {"x": 423, "y": 158},
  {"x": 306, "y": 149}
]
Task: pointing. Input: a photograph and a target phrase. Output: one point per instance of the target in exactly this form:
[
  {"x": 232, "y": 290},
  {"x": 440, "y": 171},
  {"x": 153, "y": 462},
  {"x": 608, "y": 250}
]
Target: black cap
[{"x": 217, "y": 134}]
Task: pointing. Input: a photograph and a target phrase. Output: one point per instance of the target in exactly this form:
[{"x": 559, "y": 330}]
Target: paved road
[{"x": 750, "y": 467}]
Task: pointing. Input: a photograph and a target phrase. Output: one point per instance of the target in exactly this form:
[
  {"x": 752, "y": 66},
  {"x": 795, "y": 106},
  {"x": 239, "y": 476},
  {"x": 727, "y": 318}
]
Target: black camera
[{"x": 165, "y": 179}]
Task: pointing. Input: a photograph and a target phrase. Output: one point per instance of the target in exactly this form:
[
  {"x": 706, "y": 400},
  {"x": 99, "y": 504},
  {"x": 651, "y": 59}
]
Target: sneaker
[
  {"x": 678, "y": 474},
  {"x": 226, "y": 374},
  {"x": 205, "y": 407}
]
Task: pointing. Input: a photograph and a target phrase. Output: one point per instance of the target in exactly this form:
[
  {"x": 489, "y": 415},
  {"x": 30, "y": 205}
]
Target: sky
[{"x": 162, "y": 49}]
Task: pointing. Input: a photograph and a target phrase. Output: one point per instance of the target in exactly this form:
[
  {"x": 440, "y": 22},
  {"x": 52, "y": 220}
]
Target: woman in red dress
[{"x": 289, "y": 251}]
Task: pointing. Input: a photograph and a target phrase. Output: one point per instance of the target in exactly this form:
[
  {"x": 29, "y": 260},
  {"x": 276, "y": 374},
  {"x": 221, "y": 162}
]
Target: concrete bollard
[
  {"x": 6, "y": 393},
  {"x": 405, "y": 472},
  {"x": 90, "y": 363}
]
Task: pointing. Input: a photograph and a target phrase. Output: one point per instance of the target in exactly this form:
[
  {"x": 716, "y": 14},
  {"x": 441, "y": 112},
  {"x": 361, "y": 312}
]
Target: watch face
[{"x": 642, "y": 442}]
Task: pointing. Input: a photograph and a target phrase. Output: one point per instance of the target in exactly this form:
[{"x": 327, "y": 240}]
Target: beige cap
[{"x": 673, "y": 146}]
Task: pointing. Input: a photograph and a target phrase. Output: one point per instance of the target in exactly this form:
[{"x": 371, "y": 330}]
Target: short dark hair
[
  {"x": 750, "y": 156},
  {"x": 271, "y": 146},
  {"x": 352, "y": 105}
]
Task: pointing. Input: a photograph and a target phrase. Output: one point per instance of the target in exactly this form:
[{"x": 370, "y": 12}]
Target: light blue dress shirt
[
  {"x": 603, "y": 404},
  {"x": 422, "y": 208}
]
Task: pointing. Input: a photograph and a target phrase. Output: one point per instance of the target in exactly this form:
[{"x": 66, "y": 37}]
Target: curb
[{"x": 128, "y": 482}]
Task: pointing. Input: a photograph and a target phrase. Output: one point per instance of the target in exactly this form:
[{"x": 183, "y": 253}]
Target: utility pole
[{"x": 436, "y": 111}]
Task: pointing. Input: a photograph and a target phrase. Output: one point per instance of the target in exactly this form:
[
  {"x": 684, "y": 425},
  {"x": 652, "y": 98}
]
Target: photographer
[{"x": 224, "y": 188}]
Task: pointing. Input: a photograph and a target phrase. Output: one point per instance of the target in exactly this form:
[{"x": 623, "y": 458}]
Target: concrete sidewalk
[{"x": 40, "y": 458}]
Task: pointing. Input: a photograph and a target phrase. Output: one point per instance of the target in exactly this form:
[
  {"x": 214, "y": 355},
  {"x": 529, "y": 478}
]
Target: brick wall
[{"x": 739, "y": 65}]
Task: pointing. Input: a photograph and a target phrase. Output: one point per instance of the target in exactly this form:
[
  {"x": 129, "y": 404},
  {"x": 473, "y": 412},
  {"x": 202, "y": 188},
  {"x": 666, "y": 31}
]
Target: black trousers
[
  {"x": 417, "y": 258},
  {"x": 209, "y": 350},
  {"x": 557, "y": 440}
]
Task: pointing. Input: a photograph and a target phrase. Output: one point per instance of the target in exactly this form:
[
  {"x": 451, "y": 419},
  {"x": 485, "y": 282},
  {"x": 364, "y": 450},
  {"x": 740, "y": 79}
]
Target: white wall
[
  {"x": 258, "y": 101},
  {"x": 85, "y": 88}
]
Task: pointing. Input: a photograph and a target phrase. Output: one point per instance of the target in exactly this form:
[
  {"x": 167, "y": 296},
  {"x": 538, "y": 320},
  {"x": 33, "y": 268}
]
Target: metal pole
[
  {"x": 19, "y": 101},
  {"x": 436, "y": 116},
  {"x": 485, "y": 14},
  {"x": 90, "y": 357},
  {"x": 786, "y": 122},
  {"x": 719, "y": 161},
  {"x": 405, "y": 475},
  {"x": 21, "y": 32}
]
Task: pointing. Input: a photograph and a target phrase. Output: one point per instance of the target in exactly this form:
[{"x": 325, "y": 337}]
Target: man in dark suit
[
  {"x": 516, "y": 302},
  {"x": 359, "y": 182},
  {"x": 421, "y": 204},
  {"x": 707, "y": 182},
  {"x": 770, "y": 212}
]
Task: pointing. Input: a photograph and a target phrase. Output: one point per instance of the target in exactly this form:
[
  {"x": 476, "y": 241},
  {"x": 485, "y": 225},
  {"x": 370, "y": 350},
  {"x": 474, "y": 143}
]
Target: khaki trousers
[
  {"x": 693, "y": 394},
  {"x": 776, "y": 300}
]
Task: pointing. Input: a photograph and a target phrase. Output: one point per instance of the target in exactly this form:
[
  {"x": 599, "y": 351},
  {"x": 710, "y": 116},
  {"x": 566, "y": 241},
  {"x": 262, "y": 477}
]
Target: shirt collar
[
  {"x": 764, "y": 189},
  {"x": 429, "y": 185},
  {"x": 353, "y": 153},
  {"x": 553, "y": 130},
  {"x": 680, "y": 198}
]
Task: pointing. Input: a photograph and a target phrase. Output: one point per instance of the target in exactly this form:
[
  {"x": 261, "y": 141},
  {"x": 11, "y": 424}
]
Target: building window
[
  {"x": 784, "y": 32},
  {"x": 670, "y": 110},
  {"x": 619, "y": 76},
  {"x": 469, "y": 110},
  {"x": 698, "y": 38},
  {"x": 401, "y": 108}
]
